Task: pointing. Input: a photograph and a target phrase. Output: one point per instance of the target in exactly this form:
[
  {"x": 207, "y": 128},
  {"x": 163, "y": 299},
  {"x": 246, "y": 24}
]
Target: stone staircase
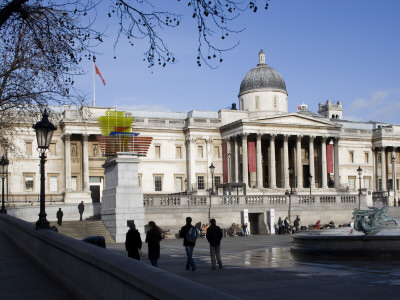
[{"x": 82, "y": 229}]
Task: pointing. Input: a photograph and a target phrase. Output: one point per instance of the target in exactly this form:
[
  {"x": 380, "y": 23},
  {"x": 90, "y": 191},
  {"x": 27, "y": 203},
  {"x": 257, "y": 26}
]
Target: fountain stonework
[
  {"x": 122, "y": 198},
  {"x": 370, "y": 237}
]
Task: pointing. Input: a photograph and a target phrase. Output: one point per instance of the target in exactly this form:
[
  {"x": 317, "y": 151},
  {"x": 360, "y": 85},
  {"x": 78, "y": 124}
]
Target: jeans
[{"x": 189, "y": 253}]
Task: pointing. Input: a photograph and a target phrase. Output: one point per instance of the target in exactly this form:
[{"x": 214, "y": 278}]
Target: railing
[{"x": 31, "y": 199}]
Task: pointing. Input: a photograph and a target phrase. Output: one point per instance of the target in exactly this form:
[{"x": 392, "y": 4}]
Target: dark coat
[
  {"x": 153, "y": 238},
  {"x": 81, "y": 207},
  {"x": 59, "y": 214},
  {"x": 214, "y": 235},
  {"x": 133, "y": 243},
  {"x": 182, "y": 234}
]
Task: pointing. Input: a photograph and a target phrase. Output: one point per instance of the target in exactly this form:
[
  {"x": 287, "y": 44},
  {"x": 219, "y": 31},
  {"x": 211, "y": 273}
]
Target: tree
[{"x": 43, "y": 42}]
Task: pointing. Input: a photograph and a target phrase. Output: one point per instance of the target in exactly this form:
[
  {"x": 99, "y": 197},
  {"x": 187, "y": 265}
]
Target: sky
[{"x": 339, "y": 50}]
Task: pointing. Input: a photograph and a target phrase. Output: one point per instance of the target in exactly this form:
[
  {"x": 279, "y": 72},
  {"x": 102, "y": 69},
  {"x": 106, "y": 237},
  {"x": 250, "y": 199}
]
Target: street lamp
[
  {"x": 212, "y": 168},
  {"x": 394, "y": 178},
  {"x": 3, "y": 173},
  {"x": 309, "y": 180},
  {"x": 359, "y": 171},
  {"x": 291, "y": 191},
  {"x": 44, "y": 132},
  {"x": 185, "y": 186}
]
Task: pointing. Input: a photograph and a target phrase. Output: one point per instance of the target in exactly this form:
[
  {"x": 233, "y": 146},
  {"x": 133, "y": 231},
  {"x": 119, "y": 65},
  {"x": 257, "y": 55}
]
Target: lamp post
[
  {"x": 291, "y": 192},
  {"x": 212, "y": 168},
  {"x": 3, "y": 173},
  {"x": 359, "y": 171},
  {"x": 44, "y": 132},
  {"x": 394, "y": 179},
  {"x": 185, "y": 186},
  {"x": 309, "y": 180}
]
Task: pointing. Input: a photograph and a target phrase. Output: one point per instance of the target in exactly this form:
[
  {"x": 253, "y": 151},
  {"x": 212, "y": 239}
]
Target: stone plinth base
[{"x": 77, "y": 197}]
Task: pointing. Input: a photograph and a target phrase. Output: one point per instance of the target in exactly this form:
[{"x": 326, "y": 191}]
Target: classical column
[
  {"x": 210, "y": 158},
  {"x": 383, "y": 169},
  {"x": 85, "y": 161},
  {"x": 245, "y": 160},
  {"x": 236, "y": 145},
  {"x": 191, "y": 162},
  {"x": 67, "y": 161},
  {"x": 259, "y": 162},
  {"x": 311, "y": 161},
  {"x": 336, "y": 165},
  {"x": 299, "y": 165},
  {"x": 229, "y": 158},
  {"x": 394, "y": 172},
  {"x": 286, "y": 161},
  {"x": 323, "y": 164},
  {"x": 376, "y": 181},
  {"x": 272, "y": 170}
]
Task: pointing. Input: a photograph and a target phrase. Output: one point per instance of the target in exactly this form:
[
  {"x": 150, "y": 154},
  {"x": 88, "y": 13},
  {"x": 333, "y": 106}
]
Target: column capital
[
  {"x": 336, "y": 140},
  {"x": 324, "y": 138},
  {"x": 285, "y": 137},
  {"x": 66, "y": 136},
  {"x": 312, "y": 138},
  {"x": 259, "y": 136},
  {"x": 210, "y": 140},
  {"x": 191, "y": 140},
  {"x": 299, "y": 137},
  {"x": 85, "y": 136},
  {"x": 272, "y": 136},
  {"x": 244, "y": 135}
]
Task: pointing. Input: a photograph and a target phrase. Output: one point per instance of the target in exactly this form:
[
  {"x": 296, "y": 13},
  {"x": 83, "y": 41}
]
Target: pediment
[{"x": 293, "y": 119}]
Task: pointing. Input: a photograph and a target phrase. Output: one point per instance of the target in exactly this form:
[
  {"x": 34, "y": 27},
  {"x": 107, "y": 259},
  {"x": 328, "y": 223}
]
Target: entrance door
[{"x": 95, "y": 189}]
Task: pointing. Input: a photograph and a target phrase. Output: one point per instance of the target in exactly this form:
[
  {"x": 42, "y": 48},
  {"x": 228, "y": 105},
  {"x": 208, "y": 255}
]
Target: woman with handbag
[{"x": 133, "y": 242}]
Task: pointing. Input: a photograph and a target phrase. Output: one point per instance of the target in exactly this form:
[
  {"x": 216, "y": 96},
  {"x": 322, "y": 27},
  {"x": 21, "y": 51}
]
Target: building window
[
  {"x": 157, "y": 150},
  {"x": 352, "y": 183},
  {"x": 217, "y": 180},
  {"x": 257, "y": 103},
  {"x": 52, "y": 149},
  {"x": 200, "y": 182},
  {"x": 367, "y": 182},
  {"x": 366, "y": 157},
  {"x": 53, "y": 182},
  {"x": 178, "y": 184},
  {"x": 178, "y": 152},
  {"x": 200, "y": 152},
  {"x": 158, "y": 183},
  {"x": 94, "y": 179},
  {"x": 216, "y": 152},
  {"x": 351, "y": 156},
  {"x": 28, "y": 148},
  {"x": 74, "y": 183},
  {"x": 275, "y": 102},
  {"x": 28, "y": 183}
]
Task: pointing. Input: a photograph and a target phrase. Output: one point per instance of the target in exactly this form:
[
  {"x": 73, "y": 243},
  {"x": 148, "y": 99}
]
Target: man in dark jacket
[
  {"x": 59, "y": 215},
  {"x": 189, "y": 246},
  {"x": 133, "y": 242},
  {"x": 214, "y": 236}
]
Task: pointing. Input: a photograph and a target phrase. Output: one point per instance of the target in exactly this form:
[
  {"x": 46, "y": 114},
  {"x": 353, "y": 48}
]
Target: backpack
[{"x": 192, "y": 234}]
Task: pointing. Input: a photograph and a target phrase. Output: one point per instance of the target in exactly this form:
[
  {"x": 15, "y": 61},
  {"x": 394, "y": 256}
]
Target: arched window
[{"x": 257, "y": 103}]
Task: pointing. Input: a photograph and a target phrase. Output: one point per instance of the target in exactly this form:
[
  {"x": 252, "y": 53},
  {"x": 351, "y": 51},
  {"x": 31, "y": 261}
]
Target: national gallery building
[{"x": 255, "y": 148}]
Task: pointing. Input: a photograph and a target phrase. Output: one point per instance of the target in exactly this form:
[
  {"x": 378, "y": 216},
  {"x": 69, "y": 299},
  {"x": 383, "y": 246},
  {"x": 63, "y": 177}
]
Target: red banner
[
  {"x": 329, "y": 158},
  {"x": 225, "y": 162},
  {"x": 252, "y": 156}
]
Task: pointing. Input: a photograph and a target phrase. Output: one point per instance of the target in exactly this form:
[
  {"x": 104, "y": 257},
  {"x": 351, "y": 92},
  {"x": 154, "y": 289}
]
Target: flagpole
[{"x": 94, "y": 89}]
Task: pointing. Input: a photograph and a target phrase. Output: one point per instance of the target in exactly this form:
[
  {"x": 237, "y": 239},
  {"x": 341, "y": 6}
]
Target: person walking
[
  {"x": 214, "y": 236},
  {"x": 133, "y": 242},
  {"x": 81, "y": 208},
  {"x": 153, "y": 238},
  {"x": 280, "y": 225},
  {"x": 296, "y": 223},
  {"x": 189, "y": 233},
  {"x": 286, "y": 225},
  {"x": 59, "y": 215}
]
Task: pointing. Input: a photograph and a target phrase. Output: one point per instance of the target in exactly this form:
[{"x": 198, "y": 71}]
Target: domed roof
[{"x": 262, "y": 77}]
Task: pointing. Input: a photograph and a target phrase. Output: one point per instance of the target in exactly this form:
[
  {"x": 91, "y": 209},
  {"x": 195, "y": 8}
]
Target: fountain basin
[{"x": 338, "y": 244}]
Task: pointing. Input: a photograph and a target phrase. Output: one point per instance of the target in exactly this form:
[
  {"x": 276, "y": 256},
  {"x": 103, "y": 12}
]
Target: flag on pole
[{"x": 98, "y": 72}]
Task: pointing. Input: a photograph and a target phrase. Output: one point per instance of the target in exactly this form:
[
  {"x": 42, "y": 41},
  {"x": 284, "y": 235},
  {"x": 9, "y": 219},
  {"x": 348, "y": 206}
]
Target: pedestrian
[
  {"x": 59, "y": 216},
  {"x": 280, "y": 225},
  {"x": 189, "y": 234},
  {"x": 133, "y": 242},
  {"x": 244, "y": 227},
  {"x": 81, "y": 208},
  {"x": 214, "y": 236},
  {"x": 153, "y": 238},
  {"x": 297, "y": 223},
  {"x": 286, "y": 224}
]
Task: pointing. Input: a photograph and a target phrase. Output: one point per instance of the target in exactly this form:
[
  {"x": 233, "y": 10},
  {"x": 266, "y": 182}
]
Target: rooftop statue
[{"x": 368, "y": 221}]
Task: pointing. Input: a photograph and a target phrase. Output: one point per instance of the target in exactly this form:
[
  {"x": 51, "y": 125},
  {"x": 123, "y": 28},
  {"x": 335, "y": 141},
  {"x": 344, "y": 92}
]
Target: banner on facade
[
  {"x": 225, "y": 161},
  {"x": 252, "y": 156},
  {"x": 329, "y": 158}
]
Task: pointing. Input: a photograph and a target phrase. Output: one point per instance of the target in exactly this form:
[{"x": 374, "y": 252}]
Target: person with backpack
[
  {"x": 214, "y": 236},
  {"x": 189, "y": 233}
]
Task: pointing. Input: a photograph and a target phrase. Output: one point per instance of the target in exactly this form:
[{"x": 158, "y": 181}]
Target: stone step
[{"x": 83, "y": 229}]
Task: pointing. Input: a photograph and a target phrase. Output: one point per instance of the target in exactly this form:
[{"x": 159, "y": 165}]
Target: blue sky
[{"x": 338, "y": 50}]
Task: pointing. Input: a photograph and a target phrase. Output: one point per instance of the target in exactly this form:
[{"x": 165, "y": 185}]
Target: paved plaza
[
  {"x": 262, "y": 267},
  {"x": 255, "y": 267}
]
